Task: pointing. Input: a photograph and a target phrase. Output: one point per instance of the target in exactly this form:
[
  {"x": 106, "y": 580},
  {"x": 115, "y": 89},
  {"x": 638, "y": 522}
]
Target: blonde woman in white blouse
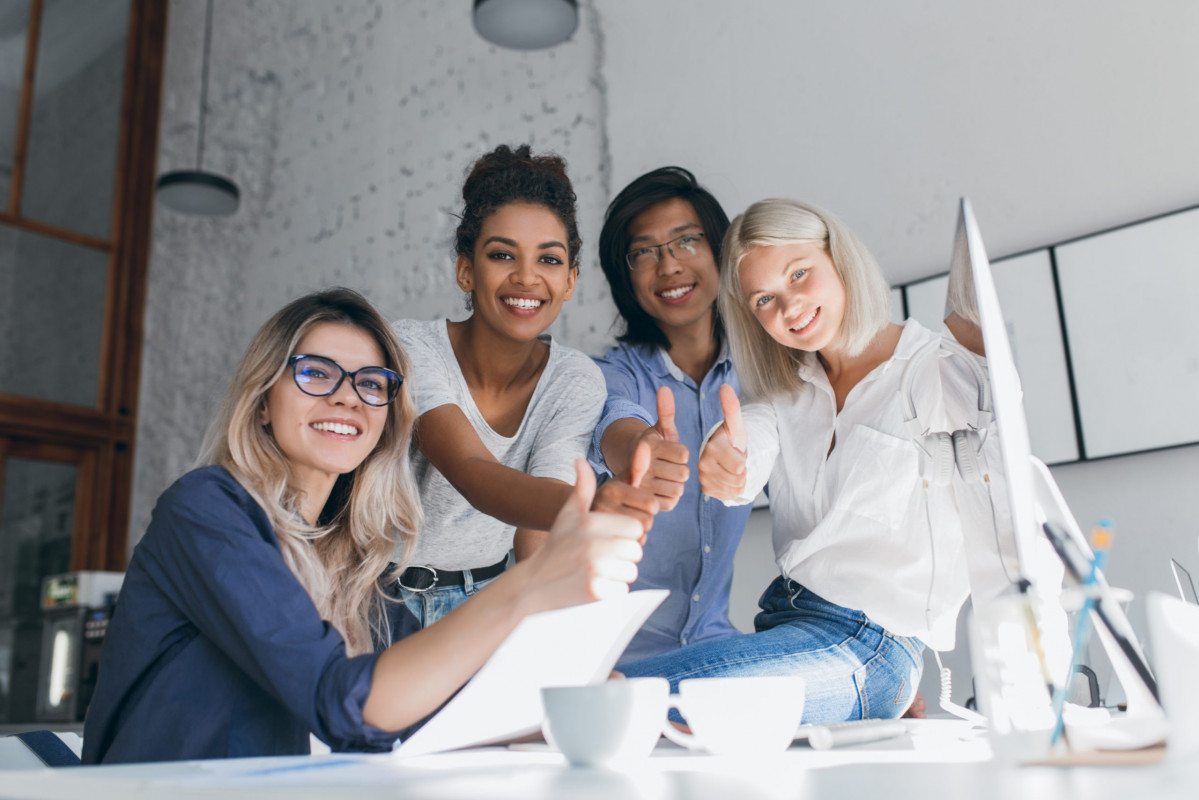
[{"x": 871, "y": 566}]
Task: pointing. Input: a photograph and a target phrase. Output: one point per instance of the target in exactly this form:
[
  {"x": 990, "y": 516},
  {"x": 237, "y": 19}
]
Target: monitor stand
[{"x": 1143, "y": 723}]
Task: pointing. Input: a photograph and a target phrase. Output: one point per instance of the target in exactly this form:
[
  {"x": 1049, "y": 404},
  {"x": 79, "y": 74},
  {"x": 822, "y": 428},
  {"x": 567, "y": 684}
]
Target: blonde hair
[
  {"x": 765, "y": 367},
  {"x": 340, "y": 560}
]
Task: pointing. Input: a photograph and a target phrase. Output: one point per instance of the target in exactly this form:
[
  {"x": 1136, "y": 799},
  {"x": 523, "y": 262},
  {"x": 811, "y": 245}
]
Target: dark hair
[
  {"x": 650, "y": 189},
  {"x": 506, "y": 176}
]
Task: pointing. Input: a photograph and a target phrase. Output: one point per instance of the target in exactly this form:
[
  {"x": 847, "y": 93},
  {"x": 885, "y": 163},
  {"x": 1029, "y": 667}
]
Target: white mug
[
  {"x": 613, "y": 721},
  {"x": 739, "y": 716}
]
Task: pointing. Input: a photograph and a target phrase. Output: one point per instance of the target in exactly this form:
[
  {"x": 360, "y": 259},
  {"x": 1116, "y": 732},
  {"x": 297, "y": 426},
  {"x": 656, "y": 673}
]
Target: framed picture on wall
[
  {"x": 1128, "y": 297},
  {"x": 1029, "y": 301}
]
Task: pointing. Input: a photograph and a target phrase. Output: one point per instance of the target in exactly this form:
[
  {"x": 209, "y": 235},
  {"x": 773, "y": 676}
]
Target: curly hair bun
[{"x": 506, "y": 176}]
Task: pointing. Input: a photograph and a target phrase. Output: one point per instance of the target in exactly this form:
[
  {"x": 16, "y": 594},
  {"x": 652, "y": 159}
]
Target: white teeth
[
  {"x": 523, "y": 302},
  {"x": 336, "y": 427},
  {"x": 675, "y": 294},
  {"x": 803, "y": 323}
]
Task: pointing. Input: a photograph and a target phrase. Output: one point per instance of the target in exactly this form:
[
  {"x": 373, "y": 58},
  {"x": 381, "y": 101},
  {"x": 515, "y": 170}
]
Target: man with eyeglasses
[{"x": 660, "y": 250}]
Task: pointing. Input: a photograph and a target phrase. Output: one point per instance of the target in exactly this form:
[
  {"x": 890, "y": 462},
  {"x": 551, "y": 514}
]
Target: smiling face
[
  {"x": 794, "y": 291},
  {"x": 678, "y": 294},
  {"x": 324, "y": 437},
  {"x": 519, "y": 275}
]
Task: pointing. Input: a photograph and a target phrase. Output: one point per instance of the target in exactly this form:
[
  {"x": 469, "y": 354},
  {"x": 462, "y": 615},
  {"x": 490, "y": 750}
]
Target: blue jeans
[
  {"x": 853, "y": 669},
  {"x": 433, "y": 604}
]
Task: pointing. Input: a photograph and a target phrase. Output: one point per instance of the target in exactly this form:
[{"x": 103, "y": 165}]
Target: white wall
[
  {"x": 349, "y": 127},
  {"x": 1057, "y": 119}
]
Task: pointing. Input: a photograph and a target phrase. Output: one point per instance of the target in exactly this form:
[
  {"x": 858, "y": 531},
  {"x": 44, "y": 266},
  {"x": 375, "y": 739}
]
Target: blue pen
[{"x": 1101, "y": 542}]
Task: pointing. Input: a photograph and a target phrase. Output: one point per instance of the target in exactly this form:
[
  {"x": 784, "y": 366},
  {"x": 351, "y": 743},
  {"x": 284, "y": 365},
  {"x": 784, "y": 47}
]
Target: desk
[{"x": 934, "y": 761}]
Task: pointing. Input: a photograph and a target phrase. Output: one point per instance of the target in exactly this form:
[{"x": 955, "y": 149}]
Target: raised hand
[
  {"x": 588, "y": 555},
  {"x": 668, "y": 471},
  {"x": 722, "y": 463},
  {"x": 626, "y": 495}
]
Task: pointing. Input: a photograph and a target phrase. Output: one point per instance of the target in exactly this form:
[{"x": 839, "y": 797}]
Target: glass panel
[
  {"x": 51, "y": 317},
  {"x": 14, "y": 24},
  {"x": 71, "y": 167},
  {"x": 37, "y": 513}
]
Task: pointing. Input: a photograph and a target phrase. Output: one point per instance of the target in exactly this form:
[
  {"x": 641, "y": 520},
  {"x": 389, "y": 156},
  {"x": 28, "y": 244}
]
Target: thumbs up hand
[
  {"x": 667, "y": 471},
  {"x": 587, "y": 555},
  {"x": 624, "y": 494},
  {"x": 722, "y": 463}
]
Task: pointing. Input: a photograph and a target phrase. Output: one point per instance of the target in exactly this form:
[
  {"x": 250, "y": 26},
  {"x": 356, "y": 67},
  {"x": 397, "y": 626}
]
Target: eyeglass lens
[
  {"x": 320, "y": 377},
  {"x": 682, "y": 248}
]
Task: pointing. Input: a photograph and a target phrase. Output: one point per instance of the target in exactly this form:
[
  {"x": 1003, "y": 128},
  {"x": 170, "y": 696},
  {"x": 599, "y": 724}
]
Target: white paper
[{"x": 575, "y": 646}]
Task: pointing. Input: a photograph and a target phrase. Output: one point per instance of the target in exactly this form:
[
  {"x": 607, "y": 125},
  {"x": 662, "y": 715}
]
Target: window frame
[{"x": 101, "y": 436}]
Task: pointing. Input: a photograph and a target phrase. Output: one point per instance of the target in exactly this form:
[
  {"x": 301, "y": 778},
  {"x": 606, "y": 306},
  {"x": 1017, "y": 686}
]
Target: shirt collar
[
  {"x": 913, "y": 337},
  {"x": 663, "y": 365}
]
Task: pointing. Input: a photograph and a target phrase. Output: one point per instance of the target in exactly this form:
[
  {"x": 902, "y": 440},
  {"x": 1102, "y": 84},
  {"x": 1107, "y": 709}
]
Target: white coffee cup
[
  {"x": 607, "y": 723},
  {"x": 738, "y": 716}
]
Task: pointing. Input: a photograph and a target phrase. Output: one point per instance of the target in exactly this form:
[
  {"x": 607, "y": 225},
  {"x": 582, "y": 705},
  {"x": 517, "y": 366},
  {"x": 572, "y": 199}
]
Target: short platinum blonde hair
[{"x": 767, "y": 368}]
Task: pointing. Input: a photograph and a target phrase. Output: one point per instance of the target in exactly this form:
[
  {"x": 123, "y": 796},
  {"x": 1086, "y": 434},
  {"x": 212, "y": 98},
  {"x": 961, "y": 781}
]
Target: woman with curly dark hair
[{"x": 503, "y": 409}]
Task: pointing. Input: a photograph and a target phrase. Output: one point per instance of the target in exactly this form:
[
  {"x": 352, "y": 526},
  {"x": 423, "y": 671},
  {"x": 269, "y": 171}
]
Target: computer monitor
[
  {"x": 972, "y": 295},
  {"x": 1031, "y": 493}
]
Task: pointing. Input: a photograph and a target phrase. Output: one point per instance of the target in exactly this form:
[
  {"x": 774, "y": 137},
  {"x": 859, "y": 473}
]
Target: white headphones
[{"x": 941, "y": 451}]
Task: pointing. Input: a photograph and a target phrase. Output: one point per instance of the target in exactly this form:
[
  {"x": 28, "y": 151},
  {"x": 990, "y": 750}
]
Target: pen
[{"x": 1101, "y": 541}]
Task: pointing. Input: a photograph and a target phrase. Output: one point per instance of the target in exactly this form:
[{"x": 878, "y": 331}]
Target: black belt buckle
[{"x": 427, "y": 579}]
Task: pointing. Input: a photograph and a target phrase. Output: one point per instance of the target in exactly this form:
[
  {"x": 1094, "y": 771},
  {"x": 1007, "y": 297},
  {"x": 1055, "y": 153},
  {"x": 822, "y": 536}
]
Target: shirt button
[
  {"x": 682, "y": 640},
  {"x": 707, "y": 548},
  {"x": 695, "y": 598}
]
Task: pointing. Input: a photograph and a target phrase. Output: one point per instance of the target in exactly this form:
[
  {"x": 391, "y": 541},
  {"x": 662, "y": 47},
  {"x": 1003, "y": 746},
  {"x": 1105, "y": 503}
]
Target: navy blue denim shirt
[
  {"x": 215, "y": 650},
  {"x": 690, "y": 549}
]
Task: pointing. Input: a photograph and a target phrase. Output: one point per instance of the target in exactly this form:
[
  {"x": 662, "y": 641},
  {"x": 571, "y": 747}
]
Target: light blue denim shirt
[{"x": 690, "y": 549}]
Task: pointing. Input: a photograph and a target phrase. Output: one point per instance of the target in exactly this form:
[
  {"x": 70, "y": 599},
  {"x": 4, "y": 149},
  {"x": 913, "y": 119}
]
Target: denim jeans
[
  {"x": 852, "y": 668},
  {"x": 433, "y": 604}
]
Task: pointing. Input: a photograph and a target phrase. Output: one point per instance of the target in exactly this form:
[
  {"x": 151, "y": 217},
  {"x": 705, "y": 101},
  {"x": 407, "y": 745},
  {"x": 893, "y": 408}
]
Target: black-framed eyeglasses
[
  {"x": 688, "y": 246},
  {"x": 318, "y": 376}
]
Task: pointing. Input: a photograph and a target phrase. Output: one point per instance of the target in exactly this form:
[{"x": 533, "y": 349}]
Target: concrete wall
[{"x": 348, "y": 128}]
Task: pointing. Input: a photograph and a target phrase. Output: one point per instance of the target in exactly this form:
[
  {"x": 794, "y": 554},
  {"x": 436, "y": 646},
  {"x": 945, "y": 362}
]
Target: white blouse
[{"x": 860, "y": 528}]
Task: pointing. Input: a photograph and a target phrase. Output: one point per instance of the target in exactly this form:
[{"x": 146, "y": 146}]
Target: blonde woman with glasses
[
  {"x": 255, "y": 610},
  {"x": 871, "y": 564}
]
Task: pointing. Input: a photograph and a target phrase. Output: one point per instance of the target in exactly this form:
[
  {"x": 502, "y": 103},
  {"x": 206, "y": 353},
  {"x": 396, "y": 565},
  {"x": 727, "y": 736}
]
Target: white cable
[{"x": 946, "y": 702}]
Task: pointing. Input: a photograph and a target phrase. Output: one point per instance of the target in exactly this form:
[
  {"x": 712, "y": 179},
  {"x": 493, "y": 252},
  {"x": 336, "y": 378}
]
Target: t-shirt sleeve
[
  {"x": 621, "y": 403},
  {"x": 431, "y": 383},
  {"x": 217, "y": 557},
  {"x": 566, "y": 418}
]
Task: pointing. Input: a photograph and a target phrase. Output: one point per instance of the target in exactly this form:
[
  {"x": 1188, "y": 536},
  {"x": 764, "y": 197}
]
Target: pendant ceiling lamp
[
  {"x": 526, "y": 24},
  {"x": 196, "y": 191}
]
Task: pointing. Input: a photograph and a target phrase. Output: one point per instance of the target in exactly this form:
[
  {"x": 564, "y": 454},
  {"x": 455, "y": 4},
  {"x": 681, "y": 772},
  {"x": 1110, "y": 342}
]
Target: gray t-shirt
[{"x": 555, "y": 431}]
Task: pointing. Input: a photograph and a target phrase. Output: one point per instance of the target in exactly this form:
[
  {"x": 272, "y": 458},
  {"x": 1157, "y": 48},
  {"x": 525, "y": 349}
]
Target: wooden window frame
[{"x": 100, "y": 438}]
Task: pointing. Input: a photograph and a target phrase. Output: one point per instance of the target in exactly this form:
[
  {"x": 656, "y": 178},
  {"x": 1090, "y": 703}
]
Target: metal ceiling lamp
[
  {"x": 196, "y": 191},
  {"x": 526, "y": 24}
]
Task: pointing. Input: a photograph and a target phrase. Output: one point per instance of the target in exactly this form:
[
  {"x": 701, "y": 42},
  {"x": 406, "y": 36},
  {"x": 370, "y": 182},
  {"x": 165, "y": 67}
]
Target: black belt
[{"x": 423, "y": 578}]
